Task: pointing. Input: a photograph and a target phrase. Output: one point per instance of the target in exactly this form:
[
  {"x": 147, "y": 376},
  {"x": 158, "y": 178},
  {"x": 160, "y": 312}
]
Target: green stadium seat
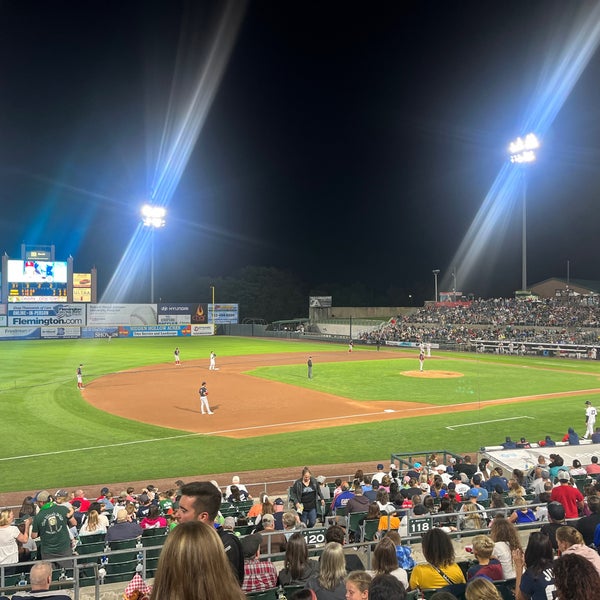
[
  {"x": 272, "y": 594},
  {"x": 369, "y": 530}
]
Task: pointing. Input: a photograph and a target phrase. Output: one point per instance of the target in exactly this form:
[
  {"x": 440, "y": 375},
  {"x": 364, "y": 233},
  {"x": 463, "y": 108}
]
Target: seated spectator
[
  {"x": 297, "y": 567},
  {"x": 258, "y": 509},
  {"x": 259, "y": 575},
  {"x": 556, "y": 464},
  {"x": 291, "y": 523},
  {"x": 403, "y": 553},
  {"x": 441, "y": 568},
  {"x": 40, "y": 577},
  {"x": 386, "y": 587},
  {"x": 278, "y": 508},
  {"x": 556, "y": 519},
  {"x": 330, "y": 582},
  {"x": 383, "y": 501},
  {"x": 480, "y": 588},
  {"x": 193, "y": 565},
  {"x": 92, "y": 524},
  {"x": 352, "y": 560},
  {"x": 593, "y": 468},
  {"x": 497, "y": 506},
  {"x": 596, "y": 436},
  {"x": 506, "y": 540},
  {"x": 483, "y": 547},
  {"x": 153, "y": 520},
  {"x": 359, "y": 502},
  {"x": 576, "y": 468},
  {"x": 342, "y": 498},
  {"x": 575, "y": 578},
  {"x": 497, "y": 479},
  {"x": 508, "y": 444},
  {"x": 235, "y": 480},
  {"x": 515, "y": 489},
  {"x": 523, "y": 443},
  {"x": 123, "y": 529},
  {"x": 470, "y": 518},
  {"x": 236, "y": 494},
  {"x": 357, "y": 585},
  {"x": 572, "y": 437},
  {"x": 275, "y": 541},
  {"x": 385, "y": 561},
  {"x": 570, "y": 541},
  {"x": 534, "y": 576},
  {"x": 587, "y": 525},
  {"x": 549, "y": 442},
  {"x": 522, "y": 512},
  {"x": 102, "y": 517}
]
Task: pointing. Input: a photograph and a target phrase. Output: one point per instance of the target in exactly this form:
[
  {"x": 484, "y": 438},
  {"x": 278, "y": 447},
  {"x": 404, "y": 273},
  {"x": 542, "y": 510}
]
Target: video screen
[{"x": 36, "y": 271}]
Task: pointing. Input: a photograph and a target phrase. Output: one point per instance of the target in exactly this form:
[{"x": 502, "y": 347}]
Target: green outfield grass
[{"x": 52, "y": 438}]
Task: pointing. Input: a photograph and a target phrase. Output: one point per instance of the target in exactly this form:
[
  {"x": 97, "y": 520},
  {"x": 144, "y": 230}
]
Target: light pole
[
  {"x": 522, "y": 151},
  {"x": 212, "y": 287},
  {"x": 435, "y": 272},
  {"x": 153, "y": 217}
]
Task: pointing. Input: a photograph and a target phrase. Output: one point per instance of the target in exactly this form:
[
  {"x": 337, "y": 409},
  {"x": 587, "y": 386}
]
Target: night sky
[{"x": 349, "y": 143}]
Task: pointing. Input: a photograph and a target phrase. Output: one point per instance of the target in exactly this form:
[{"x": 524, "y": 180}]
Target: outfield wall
[{"x": 35, "y": 321}]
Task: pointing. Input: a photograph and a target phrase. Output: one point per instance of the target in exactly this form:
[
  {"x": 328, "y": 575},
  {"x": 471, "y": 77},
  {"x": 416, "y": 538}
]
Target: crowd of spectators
[
  {"x": 458, "y": 495},
  {"x": 499, "y": 319}
]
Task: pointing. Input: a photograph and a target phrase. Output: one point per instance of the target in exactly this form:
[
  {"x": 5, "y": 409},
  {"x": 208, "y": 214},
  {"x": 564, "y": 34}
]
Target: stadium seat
[
  {"x": 368, "y": 530},
  {"x": 272, "y": 594},
  {"x": 506, "y": 588}
]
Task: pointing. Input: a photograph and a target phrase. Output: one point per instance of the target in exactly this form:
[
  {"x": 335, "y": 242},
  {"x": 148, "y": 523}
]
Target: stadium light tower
[
  {"x": 153, "y": 217},
  {"x": 522, "y": 152},
  {"x": 435, "y": 272}
]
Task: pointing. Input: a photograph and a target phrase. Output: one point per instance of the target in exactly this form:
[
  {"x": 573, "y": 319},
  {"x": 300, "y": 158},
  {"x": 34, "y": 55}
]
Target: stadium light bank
[
  {"x": 154, "y": 218},
  {"x": 523, "y": 151}
]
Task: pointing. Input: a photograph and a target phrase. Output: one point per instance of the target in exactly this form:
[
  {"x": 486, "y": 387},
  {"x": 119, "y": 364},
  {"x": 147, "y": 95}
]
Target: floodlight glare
[
  {"x": 153, "y": 216},
  {"x": 523, "y": 150}
]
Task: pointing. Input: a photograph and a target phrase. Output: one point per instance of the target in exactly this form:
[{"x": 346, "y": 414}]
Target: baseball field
[{"x": 139, "y": 418}]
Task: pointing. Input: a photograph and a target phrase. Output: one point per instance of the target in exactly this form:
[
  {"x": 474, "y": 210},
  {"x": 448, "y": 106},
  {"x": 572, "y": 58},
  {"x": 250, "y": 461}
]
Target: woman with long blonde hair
[
  {"x": 92, "y": 524},
  {"x": 330, "y": 583},
  {"x": 193, "y": 566}
]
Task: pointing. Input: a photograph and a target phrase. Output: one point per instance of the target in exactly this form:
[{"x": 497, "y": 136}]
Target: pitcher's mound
[{"x": 432, "y": 374}]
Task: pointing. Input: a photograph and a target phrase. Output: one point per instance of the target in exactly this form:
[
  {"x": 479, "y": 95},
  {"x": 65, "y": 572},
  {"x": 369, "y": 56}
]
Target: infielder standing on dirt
[
  {"x": 421, "y": 359},
  {"x": 212, "y": 365},
  {"x": 590, "y": 419},
  {"x": 176, "y": 356},
  {"x": 204, "y": 406},
  {"x": 309, "y": 364}
]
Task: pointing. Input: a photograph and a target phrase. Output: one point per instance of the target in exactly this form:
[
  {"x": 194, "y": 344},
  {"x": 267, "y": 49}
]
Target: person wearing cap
[
  {"x": 378, "y": 476},
  {"x": 569, "y": 496},
  {"x": 105, "y": 498},
  {"x": 556, "y": 519},
  {"x": 52, "y": 525},
  {"x": 471, "y": 500},
  {"x": 259, "y": 575},
  {"x": 590, "y": 419},
  {"x": 272, "y": 540},
  {"x": 325, "y": 491}
]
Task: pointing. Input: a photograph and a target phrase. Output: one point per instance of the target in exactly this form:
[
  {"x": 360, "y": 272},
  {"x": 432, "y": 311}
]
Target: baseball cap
[
  {"x": 563, "y": 476},
  {"x": 229, "y": 523},
  {"x": 278, "y": 502},
  {"x": 417, "y": 465},
  {"x": 379, "y": 467},
  {"x": 43, "y": 496},
  {"x": 556, "y": 511},
  {"x": 441, "y": 468},
  {"x": 268, "y": 519},
  {"x": 61, "y": 493},
  {"x": 588, "y": 402},
  {"x": 104, "y": 491},
  {"x": 473, "y": 493},
  {"x": 321, "y": 479}
]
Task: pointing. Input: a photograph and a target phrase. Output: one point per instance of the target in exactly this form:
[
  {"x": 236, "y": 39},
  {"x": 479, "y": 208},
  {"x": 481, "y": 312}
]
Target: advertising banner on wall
[
  {"x": 3, "y": 310},
  {"x": 203, "y": 330},
  {"x": 20, "y": 333},
  {"x": 156, "y": 331},
  {"x": 99, "y": 332},
  {"x": 320, "y": 301},
  {"x": 46, "y": 315},
  {"x": 52, "y": 333},
  {"x": 225, "y": 314},
  {"x": 121, "y": 314}
]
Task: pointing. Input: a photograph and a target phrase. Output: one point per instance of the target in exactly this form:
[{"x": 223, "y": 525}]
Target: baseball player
[
  {"x": 212, "y": 366},
  {"x": 309, "y": 365},
  {"x": 204, "y": 406},
  {"x": 350, "y": 346},
  {"x": 176, "y": 355},
  {"x": 590, "y": 419},
  {"x": 80, "y": 378},
  {"x": 421, "y": 359}
]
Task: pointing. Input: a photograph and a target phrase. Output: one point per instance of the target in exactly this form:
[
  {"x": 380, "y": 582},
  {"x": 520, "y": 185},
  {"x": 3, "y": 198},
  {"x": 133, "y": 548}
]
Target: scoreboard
[{"x": 36, "y": 281}]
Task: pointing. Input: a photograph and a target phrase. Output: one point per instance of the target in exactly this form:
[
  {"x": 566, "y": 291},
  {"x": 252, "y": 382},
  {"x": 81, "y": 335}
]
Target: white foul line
[{"x": 453, "y": 427}]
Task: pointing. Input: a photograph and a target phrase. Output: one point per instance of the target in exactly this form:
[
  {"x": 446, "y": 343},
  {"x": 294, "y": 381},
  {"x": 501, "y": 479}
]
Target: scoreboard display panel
[{"x": 36, "y": 281}]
